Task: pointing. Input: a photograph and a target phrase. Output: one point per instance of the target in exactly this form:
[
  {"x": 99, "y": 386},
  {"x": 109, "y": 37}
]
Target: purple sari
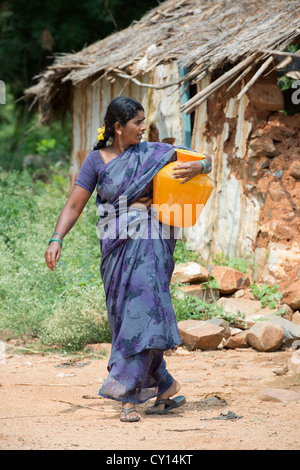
[{"x": 136, "y": 269}]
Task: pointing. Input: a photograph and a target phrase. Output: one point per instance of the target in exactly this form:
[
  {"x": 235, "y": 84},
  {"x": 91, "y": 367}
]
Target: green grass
[
  {"x": 241, "y": 264},
  {"x": 182, "y": 254},
  {"x": 192, "y": 308},
  {"x": 65, "y": 307}
]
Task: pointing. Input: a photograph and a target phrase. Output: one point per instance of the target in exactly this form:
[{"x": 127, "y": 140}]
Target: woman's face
[{"x": 132, "y": 132}]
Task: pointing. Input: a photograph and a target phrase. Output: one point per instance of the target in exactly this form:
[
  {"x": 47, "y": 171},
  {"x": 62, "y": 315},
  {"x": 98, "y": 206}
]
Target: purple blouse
[{"x": 88, "y": 174}]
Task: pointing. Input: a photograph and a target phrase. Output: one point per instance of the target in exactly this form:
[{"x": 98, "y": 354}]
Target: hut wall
[
  {"x": 230, "y": 220},
  {"x": 163, "y": 106},
  {"x": 254, "y": 208}
]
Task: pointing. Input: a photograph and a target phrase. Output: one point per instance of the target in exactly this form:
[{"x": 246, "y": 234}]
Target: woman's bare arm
[{"x": 69, "y": 215}]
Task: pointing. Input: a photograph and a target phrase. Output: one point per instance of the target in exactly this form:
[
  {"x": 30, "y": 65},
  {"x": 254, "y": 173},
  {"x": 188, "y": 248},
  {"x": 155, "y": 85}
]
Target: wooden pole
[
  {"x": 193, "y": 102},
  {"x": 264, "y": 66}
]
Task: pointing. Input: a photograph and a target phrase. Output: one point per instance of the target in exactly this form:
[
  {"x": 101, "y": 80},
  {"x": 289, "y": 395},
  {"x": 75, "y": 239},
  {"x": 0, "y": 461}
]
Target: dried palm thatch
[{"x": 203, "y": 35}]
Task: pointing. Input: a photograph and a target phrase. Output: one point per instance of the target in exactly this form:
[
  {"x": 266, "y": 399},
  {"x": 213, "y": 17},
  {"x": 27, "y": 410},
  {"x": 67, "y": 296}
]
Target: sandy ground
[{"x": 50, "y": 403}]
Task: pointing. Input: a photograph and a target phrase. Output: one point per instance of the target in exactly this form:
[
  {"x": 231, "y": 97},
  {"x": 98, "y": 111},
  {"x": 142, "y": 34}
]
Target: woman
[{"x": 136, "y": 256}]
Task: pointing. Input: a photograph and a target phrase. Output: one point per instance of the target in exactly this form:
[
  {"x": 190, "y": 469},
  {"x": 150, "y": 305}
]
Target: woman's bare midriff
[{"x": 142, "y": 203}]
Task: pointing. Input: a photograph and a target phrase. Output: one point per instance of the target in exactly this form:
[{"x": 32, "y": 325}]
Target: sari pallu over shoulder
[
  {"x": 132, "y": 171},
  {"x": 136, "y": 267},
  {"x": 123, "y": 180}
]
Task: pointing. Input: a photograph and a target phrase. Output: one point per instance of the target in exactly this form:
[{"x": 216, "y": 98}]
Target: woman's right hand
[
  {"x": 52, "y": 255},
  {"x": 70, "y": 213}
]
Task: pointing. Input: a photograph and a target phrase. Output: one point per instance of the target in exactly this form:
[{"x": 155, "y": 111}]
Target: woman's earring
[{"x": 120, "y": 132}]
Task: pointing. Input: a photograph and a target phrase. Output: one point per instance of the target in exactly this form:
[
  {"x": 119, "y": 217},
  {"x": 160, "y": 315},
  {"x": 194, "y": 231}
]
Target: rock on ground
[
  {"x": 265, "y": 336},
  {"x": 204, "y": 335},
  {"x": 229, "y": 279},
  {"x": 190, "y": 272},
  {"x": 246, "y": 311},
  {"x": 291, "y": 330},
  {"x": 237, "y": 341},
  {"x": 291, "y": 295},
  {"x": 278, "y": 394},
  {"x": 296, "y": 318}
]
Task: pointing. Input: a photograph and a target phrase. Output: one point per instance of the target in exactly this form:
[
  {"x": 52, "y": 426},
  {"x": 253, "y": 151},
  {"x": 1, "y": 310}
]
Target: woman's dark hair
[{"x": 120, "y": 109}]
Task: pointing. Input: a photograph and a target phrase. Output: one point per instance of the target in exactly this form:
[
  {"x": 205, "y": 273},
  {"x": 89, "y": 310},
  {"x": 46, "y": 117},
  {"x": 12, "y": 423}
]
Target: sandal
[
  {"x": 169, "y": 403},
  {"x": 127, "y": 411}
]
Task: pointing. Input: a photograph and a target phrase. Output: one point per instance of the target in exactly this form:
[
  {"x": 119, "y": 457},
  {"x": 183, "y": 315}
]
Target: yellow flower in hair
[{"x": 101, "y": 131}]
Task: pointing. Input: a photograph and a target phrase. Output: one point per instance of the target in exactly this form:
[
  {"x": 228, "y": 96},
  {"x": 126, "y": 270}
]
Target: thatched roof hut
[
  {"x": 204, "y": 36},
  {"x": 205, "y": 72}
]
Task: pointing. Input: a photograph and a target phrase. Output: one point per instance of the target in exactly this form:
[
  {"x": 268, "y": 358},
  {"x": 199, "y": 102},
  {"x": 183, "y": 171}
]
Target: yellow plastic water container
[{"x": 180, "y": 205}]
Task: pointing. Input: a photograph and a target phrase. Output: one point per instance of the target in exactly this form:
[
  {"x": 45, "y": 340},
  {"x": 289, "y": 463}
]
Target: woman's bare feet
[
  {"x": 175, "y": 387},
  {"x": 129, "y": 413}
]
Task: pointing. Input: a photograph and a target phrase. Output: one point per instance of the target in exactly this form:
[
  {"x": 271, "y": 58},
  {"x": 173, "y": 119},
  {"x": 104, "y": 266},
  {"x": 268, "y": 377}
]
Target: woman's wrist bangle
[
  {"x": 55, "y": 240},
  {"x": 56, "y": 233},
  {"x": 203, "y": 166}
]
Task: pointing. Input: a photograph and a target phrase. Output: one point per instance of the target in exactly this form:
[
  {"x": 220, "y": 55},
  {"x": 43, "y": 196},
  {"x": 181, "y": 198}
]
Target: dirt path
[{"x": 51, "y": 403}]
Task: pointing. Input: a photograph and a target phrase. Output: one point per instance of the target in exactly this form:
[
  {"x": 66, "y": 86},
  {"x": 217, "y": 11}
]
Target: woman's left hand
[{"x": 188, "y": 170}]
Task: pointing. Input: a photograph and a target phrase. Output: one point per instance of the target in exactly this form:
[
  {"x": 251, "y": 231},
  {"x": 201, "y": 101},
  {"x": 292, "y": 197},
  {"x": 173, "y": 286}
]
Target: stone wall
[
  {"x": 255, "y": 209},
  {"x": 273, "y": 164}
]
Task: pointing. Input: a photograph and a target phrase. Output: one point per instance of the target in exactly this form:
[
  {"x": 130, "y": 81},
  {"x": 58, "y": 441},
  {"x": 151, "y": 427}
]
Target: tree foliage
[{"x": 31, "y": 32}]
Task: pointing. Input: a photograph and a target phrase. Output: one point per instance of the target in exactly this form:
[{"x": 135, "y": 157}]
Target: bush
[
  {"x": 191, "y": 307},
  {"x": 268, "y": 295},
  {"x": 81, "y": 321},
  {"x": 182, "y": 254}
]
